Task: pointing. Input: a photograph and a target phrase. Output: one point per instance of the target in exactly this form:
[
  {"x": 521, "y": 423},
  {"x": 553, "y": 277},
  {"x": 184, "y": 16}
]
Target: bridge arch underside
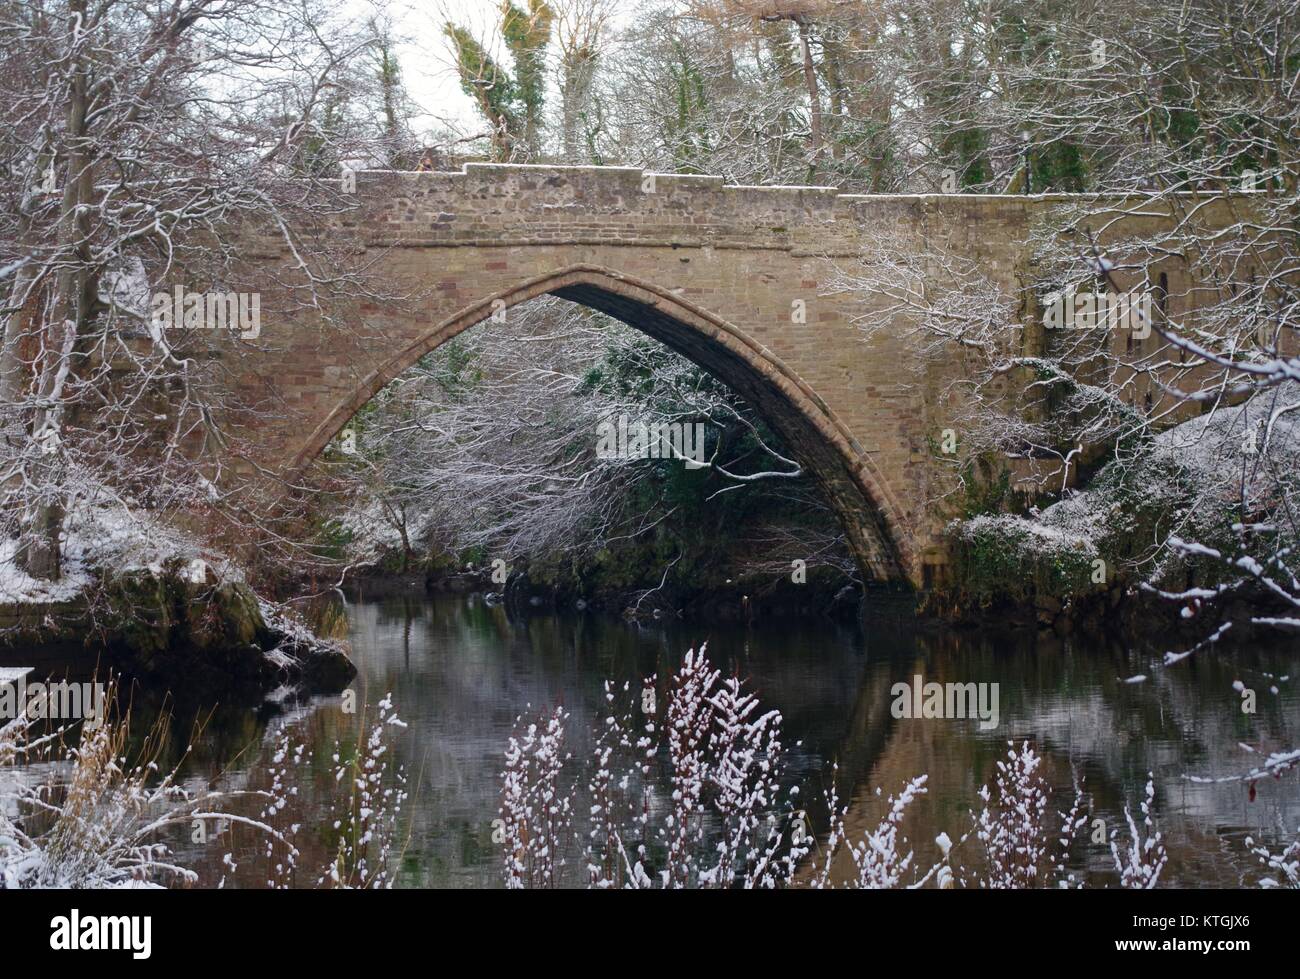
[{"x": 872, "y": 521}]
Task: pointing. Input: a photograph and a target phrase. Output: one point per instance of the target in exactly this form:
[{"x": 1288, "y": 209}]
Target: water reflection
[{"x": 461, "y": 671}]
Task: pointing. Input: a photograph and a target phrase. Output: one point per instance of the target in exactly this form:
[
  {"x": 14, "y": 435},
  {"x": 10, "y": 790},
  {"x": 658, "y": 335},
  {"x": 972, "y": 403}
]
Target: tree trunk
[
  {"x": 40, "y": 553},
  {"x": 814, "y": 95},
  {"x": 579, "y": 71}
]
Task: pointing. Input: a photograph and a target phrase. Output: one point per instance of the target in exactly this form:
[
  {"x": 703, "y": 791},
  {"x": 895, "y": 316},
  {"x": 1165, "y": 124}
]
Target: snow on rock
[{"x": 1191, "y": 479}]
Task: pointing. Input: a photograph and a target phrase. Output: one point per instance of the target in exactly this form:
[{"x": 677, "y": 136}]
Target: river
[{"x": 460, "y": 672}]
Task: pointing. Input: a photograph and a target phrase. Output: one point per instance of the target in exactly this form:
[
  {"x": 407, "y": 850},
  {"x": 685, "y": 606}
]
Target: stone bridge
[{"x": 733, "y": 277}]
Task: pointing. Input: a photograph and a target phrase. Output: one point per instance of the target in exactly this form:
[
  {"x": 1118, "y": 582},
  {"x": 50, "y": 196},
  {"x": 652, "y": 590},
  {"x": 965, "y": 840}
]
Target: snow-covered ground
[
  {"x": 18, "y": 587},
  {"x": 105, "y": 537}
]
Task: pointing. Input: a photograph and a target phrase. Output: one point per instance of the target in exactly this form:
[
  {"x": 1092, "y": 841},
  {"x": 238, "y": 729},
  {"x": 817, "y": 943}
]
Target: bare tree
[
  {"x": 492, "y": 445},
  {"x": 582, "y": 38},
  {"x": 1180, "y": 410},
  {"x": 139, "y": 142}
]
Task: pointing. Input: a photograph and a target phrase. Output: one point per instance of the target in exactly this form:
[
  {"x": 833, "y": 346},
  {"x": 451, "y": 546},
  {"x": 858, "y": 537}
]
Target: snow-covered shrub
[
  {"x": 726, "y": 820},
  {"x": 619, "y": 786},
  {"x": 725, "y": 756},
  {"x": 368, "y": 818},
  {"x": 1020, "y": 849},
  {"x": 1003, "y": 554},
  {"x": 1285, "y": 865},
  {"x": 536, "y": 812},
  {"x": 1142, "y": 860},
  {"x": 877, "y": 858}
]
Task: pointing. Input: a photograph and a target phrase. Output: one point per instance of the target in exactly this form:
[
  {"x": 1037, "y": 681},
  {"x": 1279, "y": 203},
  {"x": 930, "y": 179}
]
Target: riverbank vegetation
[
  {"x": 687, "y": 783},
  {"x": 1175, "y": 522},
  {"x": 164, "y": 606},
  {"x": 98, "y": 805}
]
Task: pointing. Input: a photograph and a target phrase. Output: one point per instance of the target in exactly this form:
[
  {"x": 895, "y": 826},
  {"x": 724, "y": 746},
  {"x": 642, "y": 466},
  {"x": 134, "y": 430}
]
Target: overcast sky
[{"x": 428, "y": 68}]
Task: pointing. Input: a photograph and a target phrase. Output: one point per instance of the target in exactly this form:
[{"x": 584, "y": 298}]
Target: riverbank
[
  {"x": 1120, "y": 609},
  {"x": 170, "y": 627},
  {"x": 156, "y": 606},
  {"x": 821, "y": 593}
]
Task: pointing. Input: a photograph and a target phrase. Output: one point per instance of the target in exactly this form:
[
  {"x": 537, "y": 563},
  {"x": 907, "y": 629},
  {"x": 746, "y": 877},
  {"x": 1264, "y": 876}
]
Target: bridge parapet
[
  {"x": 526, "y": 203},
  {"x": 492, "y": 205}
]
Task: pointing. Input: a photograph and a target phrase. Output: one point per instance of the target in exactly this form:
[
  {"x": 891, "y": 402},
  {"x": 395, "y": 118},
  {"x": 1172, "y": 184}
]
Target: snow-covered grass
[
  {"x": 95, "y": 813},
  {"x": 1007, "y": 554},
  {"x": 96, "y": 818},
  {"x": 18, "y": 587}
]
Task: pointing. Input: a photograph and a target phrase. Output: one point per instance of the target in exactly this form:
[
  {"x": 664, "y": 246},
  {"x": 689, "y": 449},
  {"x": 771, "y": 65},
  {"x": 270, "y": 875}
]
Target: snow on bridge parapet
[
  {"x": 511, "y": 204},
  {"x": 494, "y": 205},
  {"x": 505, "y": 205}
]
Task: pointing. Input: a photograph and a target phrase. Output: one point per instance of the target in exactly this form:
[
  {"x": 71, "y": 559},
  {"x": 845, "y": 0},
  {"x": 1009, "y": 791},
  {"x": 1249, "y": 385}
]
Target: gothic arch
[{"x": 873, "y": 519}]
